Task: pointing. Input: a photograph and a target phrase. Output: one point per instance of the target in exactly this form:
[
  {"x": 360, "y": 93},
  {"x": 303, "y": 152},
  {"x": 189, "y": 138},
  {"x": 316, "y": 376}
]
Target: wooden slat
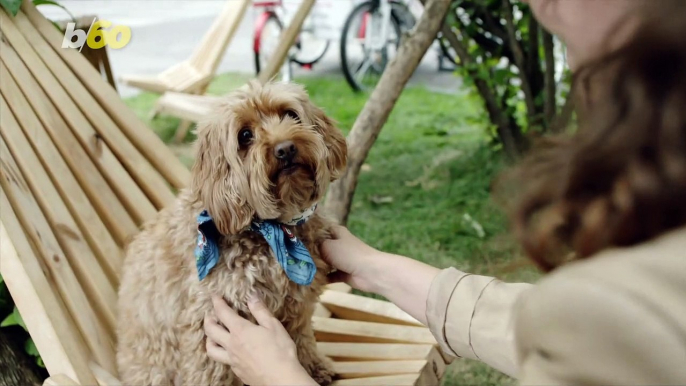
[
  {"x": 341, "y": 287},
  {"x": 173, "y": 76},
  {"x": 20, "y": 158},
  {"x": 209, "y": 54},
  {"x": 149, "y": 180},
  {"x": 343, "y": 351},
  {"x": 436, "y": 362},
  {"x": 387, "y": 380},
  {"x": 377, "y": 368},
  {"x": 286, "y": 41},
  {"x": 428, "y": 377},
  {"x": 184, "y": 106},
  {"x": 52, "y": 330},
  {"x": 103, "y": 376},
  {"x": 321, "y": 311},
  {"x": 191, "y": 80},
  {"x": 148, "y": 83},
  {"x": 337, "y": 330},
  {"x": 145, "y": 140},
  {"x": 53, "y": 257},
  {"x": 118, "y": 177},
  {"x": 59, "y": 380},
  {"x": 355, "y": 307},
  {"x": 56, "y": 169},
  {"x": 101, "y": 196}
]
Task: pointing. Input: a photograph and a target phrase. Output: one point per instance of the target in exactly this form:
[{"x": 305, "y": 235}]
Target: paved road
[{"x": 165, "y": 32}]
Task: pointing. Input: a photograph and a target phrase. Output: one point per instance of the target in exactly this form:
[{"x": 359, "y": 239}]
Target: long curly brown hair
[{"x": 620, "y": 179}]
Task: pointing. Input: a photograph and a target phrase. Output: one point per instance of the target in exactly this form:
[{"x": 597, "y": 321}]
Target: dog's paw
[{"x": 321, "y": 372}]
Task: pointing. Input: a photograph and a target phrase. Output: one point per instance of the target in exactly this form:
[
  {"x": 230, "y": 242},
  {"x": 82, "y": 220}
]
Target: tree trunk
[
  {"x": 16, "y": 368},
  {"x": 534, "y": 69},
  {"x": 520, "y": 61},
  {"x": 562, "y": 121},
  {"x": 380, "y": 104},
  {"x": 509, "y": 133},
  {"x": 550, "y": 86}
]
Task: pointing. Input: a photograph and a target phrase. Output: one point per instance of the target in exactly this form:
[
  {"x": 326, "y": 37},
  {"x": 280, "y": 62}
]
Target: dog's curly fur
[{"x": 162, "y": 303}]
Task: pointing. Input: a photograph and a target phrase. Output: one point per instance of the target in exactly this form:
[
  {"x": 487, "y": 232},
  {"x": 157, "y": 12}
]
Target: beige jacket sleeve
[
  {"x": 618, "y": 318},
  {"x": 471, "y": 317},
  {"x": 572, "y": 334}
]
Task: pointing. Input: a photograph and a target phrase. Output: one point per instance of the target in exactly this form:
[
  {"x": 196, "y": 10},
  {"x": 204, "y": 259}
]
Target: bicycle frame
[
  {"x": 269, "y": 11},
  {"x": 385, "y": 9}
]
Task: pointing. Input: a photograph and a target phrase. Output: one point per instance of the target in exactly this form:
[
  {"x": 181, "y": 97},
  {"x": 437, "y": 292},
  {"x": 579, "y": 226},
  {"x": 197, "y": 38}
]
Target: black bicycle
[{"x": 371, "y": 37}]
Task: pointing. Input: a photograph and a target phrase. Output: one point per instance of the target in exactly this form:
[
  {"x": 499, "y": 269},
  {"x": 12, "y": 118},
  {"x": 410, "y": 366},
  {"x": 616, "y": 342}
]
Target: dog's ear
[
  {"x": 215, "y": 183},
  {"x": 334, "y": 139}
]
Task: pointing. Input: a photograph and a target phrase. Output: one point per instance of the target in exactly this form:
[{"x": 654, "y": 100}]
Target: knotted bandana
[{"x": 290, "y": 252}]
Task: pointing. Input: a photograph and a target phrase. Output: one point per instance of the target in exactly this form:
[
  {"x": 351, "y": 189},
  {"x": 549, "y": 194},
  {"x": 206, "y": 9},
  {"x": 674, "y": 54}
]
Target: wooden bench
[{"x": 79, "y": 173}]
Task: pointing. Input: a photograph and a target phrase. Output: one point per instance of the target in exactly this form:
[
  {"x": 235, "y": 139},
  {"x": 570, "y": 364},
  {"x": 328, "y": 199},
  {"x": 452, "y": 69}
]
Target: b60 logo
[{"x": 100, "y": 34}]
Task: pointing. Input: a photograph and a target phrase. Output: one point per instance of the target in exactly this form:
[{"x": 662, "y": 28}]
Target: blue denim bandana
[{"x": 290, "y": 252}]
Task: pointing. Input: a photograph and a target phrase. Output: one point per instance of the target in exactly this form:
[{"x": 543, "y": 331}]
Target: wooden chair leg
[{"x": 182, "y": 130}]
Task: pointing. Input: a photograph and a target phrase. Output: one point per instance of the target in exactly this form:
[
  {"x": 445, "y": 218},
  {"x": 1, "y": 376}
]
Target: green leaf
[
  {"x": 483, "y": 73},
  {"x": 500, "y": 76},
  {"x": 30, "y": 348},
  {"x": 13, "y": 319},
  {"x": 11, "y": 6}
]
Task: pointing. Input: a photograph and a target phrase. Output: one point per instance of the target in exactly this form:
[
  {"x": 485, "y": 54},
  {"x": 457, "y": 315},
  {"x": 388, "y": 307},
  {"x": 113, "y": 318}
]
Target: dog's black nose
[{"x": 285, "y": 151}]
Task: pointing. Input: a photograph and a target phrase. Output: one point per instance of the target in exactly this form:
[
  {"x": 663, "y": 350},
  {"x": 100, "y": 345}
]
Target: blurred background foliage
[{"x": 517, "y": 68}]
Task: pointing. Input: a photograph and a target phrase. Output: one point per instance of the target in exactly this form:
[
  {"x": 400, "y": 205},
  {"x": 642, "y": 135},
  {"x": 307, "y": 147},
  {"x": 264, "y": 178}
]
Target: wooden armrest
[{"x": 103, "y": 377}]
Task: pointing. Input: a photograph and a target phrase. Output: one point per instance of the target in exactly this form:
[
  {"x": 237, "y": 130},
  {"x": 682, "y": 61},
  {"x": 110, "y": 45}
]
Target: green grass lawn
[{"x": 424, "y": 191}]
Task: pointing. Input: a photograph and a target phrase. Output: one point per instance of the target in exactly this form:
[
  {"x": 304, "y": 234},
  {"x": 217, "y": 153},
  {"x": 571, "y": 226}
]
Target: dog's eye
[
  {"x": 291, "y": 114},
  {"x": 245, "y": 136}
]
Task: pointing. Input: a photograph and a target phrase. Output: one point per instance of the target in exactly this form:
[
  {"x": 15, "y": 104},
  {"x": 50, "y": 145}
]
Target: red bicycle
[{"x": 308, "y": 48}]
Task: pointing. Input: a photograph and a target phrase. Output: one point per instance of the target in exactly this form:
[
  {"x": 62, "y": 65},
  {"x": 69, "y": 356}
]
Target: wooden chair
[
  {"x": 194, "y": 74},
  {"x": 190, "y": 108},
  {"x": 79, "y": 173}
]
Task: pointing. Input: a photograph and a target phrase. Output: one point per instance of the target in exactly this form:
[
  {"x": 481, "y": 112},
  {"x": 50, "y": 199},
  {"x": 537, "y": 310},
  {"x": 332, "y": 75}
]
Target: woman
[{"x": 603, "y": 211}]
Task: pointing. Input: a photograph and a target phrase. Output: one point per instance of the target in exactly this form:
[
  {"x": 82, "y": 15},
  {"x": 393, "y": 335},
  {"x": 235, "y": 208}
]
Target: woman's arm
[
  {"x": 405, "y": 282},
  {"x": 470, "y": 315},
  {"x": 401, "y": 280}
]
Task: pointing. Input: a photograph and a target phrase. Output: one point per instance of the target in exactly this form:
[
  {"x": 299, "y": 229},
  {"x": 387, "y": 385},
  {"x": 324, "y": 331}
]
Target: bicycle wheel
[
  {"x": 266, "y": 40},
  {"x": 447, "y": 50},
  {"x": 405, "y": 17},
  {"x": 309, "y": 48},
  {"x": 364, "y": 52}
]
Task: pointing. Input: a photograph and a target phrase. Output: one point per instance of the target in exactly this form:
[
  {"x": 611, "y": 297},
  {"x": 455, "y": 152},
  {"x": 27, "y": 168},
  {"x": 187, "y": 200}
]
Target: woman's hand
[
  {"x": 262, "y": 354},
  {"x": 354, "y": 260},
  {"x": 402, "y": 280}
]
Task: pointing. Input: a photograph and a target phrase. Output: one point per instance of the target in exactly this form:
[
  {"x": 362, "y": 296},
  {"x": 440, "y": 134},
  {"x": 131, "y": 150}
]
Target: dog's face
[{"x": 267, "y": 152}]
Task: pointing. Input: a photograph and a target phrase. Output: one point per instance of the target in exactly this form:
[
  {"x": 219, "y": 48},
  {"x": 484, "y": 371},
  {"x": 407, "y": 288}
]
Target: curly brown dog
[{"x": 267, "y": 153}]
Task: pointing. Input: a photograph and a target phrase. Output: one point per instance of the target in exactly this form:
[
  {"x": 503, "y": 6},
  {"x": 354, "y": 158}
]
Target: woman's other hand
[{"x": 259, "y": 354}]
